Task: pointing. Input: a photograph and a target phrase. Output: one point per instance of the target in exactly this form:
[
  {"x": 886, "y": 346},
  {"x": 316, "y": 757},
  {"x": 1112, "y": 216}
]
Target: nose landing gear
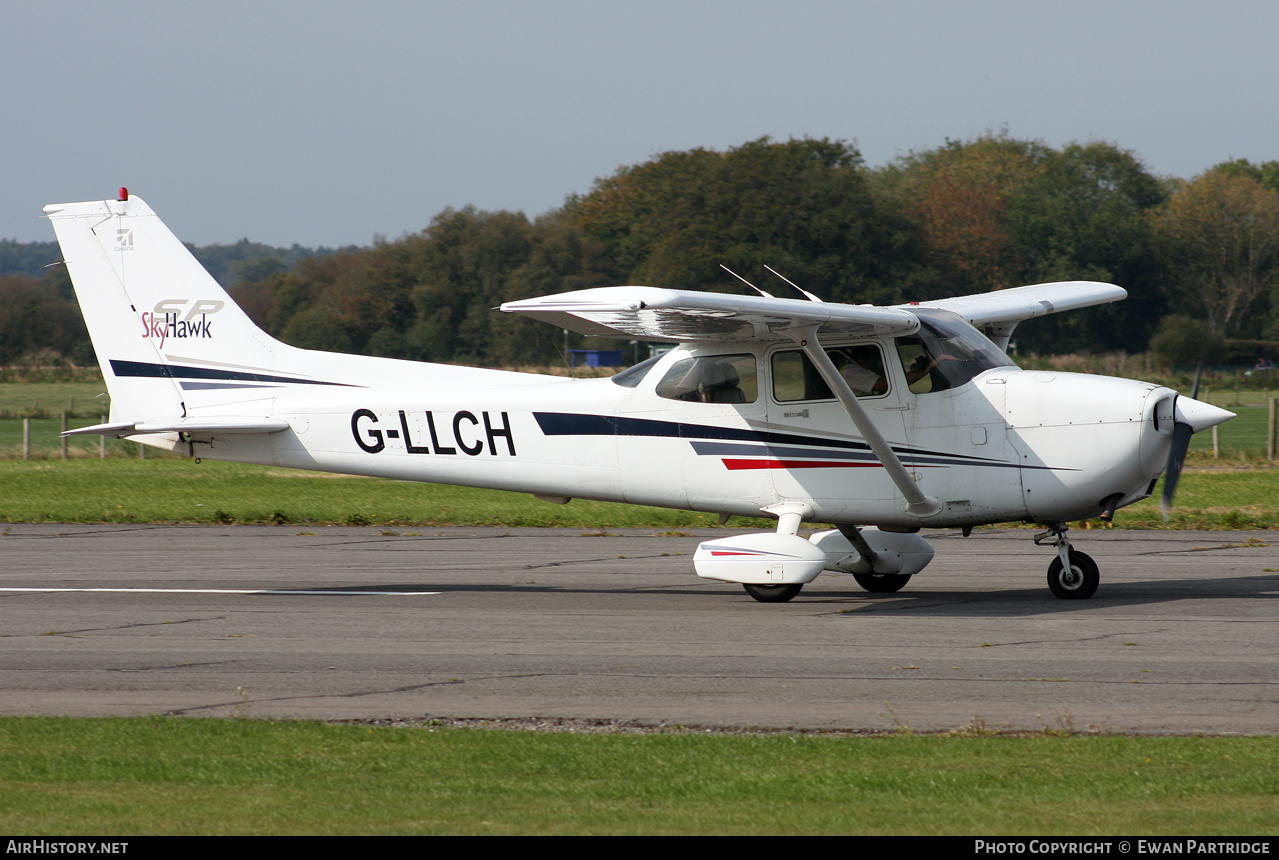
[{"x": 1073, "y": 575}]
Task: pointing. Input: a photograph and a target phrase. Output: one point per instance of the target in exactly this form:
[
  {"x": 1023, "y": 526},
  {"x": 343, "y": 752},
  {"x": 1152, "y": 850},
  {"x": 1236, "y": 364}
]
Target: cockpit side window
[
  {"x": 795, "y": 378},
  {"x": 946, "y": 353},
  {"x": 712, "y": 379}
]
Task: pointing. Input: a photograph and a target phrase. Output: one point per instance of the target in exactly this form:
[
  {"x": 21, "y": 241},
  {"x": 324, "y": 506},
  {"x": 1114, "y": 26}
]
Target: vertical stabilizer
[{"x": 163, "y": 328}]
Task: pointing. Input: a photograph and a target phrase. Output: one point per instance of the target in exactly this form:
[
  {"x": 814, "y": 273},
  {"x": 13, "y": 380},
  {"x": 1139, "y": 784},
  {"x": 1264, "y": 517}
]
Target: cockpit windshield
[
  {"x": 946, "y": 352},
  {"x": 634, "y": 375}
]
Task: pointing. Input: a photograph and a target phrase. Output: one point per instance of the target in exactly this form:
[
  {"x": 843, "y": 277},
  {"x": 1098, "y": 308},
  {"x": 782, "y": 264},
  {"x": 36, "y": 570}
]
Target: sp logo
[{"x": 193, "y": 307}]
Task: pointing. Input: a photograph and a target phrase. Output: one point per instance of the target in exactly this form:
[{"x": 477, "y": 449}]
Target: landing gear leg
[{"x": 1073, "y": 575}]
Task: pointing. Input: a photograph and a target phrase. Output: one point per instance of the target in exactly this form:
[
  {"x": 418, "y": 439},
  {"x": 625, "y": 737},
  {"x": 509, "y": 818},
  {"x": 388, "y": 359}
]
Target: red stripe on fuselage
[{"x": 734, "y": 465}]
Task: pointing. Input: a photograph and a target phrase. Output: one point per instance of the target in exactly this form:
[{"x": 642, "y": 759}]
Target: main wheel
[
  {"x": 1077, "y": 583},
  {"x": 882, "y": 583},
  {"x": 772, "y": 593}
]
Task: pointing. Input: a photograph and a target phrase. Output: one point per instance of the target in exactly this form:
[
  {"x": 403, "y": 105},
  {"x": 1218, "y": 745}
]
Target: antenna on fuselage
[
  {"x": 746, "y": 282},
  {"x": 807, "y": 294}
]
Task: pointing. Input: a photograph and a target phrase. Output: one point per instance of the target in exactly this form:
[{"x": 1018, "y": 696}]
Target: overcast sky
[{"x": 327, "y": 123}]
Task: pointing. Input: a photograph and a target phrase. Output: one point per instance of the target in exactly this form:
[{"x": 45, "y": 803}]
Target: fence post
[
  {"x": 102, "y": 441},
  {"x": 1270, "y": 428},
  {"x": 64, "y": 438},
  {"x": 26, "y": 438},
  {"x": 142, "y": 451},
  {"x": 1216, "y": 442}
]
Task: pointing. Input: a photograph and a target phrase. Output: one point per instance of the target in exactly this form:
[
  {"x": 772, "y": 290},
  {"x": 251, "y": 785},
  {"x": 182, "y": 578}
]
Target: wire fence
[
  {"x": 41, "y": 439},
  {"x": 1249, "y": 437}
]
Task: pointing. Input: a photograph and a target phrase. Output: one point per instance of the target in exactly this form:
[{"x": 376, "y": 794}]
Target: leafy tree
[
  {"x": 966, "y": 217},
  {"x": 1266, "y": 173},
  {"x": 27, "y": 258},
  {"x": 316, "y": 327},
  {"x": 249, "y": 261},
  {"x": 35, "y": 318},
  {"x": 1087, "y": 217},
  {"x": 1219, "y": 241},
  {"x": 1184, "y": 341},
  {"x": 804, "y": 207},
  {"x": 997, "y": 212},
  {"x": 959, "y": 196}
]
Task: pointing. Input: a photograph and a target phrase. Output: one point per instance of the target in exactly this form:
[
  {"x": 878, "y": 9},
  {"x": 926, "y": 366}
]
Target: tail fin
[
  {"x": 162, "y": 327},
  {"x": 178, "y": 354}
]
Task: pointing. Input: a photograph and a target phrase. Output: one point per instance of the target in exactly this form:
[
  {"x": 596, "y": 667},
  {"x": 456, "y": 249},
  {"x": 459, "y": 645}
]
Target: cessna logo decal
[
  {"x": 124, "y": 239},
  {"x": 464, "y": 431},
  {"x": 168, "y": 319}
]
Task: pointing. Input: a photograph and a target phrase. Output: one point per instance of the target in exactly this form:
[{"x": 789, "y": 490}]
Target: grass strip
[
  {"x": 176, "y": 490},
  {"x": 179, "y": 491},
  {"x": 163, "y": 775}
]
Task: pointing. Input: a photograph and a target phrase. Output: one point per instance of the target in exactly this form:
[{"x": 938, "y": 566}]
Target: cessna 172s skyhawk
[{"x": 880, "y": 420}]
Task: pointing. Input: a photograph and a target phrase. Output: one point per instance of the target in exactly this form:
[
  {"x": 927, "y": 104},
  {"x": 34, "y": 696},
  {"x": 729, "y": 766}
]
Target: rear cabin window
[
  {"x": 712, "y": 379},
  {"x": 795, "y": 377}
]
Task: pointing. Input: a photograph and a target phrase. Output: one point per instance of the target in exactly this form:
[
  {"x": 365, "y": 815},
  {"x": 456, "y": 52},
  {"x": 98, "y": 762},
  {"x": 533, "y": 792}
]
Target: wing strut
[{"x": 917, "y": 502}]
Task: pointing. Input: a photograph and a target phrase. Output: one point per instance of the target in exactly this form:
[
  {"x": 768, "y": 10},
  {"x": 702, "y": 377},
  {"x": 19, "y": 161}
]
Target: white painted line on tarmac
[{"x": 333, "y": 592}]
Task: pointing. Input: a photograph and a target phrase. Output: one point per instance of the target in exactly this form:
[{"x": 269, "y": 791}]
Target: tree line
[
  {"x": 1199, "y": 257},
  {"x": 40, "y": 323}
]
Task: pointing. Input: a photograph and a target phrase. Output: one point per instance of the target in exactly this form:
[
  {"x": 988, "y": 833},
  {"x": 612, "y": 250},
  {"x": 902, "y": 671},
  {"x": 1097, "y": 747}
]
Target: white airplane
[{"x": 879, "y": 420}]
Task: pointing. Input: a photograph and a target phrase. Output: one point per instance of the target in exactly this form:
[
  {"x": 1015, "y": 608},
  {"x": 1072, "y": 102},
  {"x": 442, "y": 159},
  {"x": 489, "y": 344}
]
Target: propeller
[
  {"x": 1189, "y": 417},
  {"x": 1181, "y": 433}
]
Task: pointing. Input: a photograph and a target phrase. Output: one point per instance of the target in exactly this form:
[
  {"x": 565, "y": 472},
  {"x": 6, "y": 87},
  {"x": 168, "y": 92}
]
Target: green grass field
[
  {"x": 156, "y": 775},
  {"x": 160, "y": 775},
  {"x": 177, "y": 490},
  {"x": 84, "y": 399},
  {"x": 1242, "y": 437}
]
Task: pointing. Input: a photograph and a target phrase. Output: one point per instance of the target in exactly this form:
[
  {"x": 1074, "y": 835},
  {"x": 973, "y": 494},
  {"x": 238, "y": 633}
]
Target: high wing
[
  {"x": 653, "y": 313},
  {"x": 1000, "y": 312}
]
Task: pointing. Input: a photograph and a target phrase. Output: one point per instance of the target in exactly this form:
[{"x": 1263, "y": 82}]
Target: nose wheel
[
  {"x": 1078, "y": 581},
  {"x": 1073, "y": 575}
]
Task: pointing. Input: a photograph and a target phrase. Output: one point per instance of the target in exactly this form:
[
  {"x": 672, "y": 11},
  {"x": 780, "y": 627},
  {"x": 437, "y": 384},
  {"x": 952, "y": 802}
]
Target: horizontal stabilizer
[{"x": 184, "y": 425}]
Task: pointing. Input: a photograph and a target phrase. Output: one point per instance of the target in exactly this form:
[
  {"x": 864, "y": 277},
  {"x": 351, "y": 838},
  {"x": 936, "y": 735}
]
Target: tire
[
  {"x": 772, "y": 593},
  {"x": 1079, "y": 583},
  {"x": 882, "y": 583}
]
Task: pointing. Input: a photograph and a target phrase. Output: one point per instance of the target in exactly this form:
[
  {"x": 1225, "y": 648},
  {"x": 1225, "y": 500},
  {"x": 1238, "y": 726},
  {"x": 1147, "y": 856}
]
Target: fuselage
[
  {"x": 1003, "y": 445},
  {"x": 855, "y": 415}
]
